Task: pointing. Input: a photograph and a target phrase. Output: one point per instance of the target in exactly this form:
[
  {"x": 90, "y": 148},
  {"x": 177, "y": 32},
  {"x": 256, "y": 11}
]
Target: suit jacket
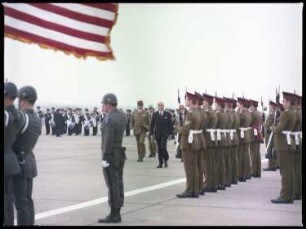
[
  {"x": 161, "y": 125},
  {"x": 140, "y": 121}
]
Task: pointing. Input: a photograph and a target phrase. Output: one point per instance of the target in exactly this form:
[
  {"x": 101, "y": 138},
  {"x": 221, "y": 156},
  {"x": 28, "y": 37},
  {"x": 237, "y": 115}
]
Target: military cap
[
  {"x": 271, "y": 103},
  {"x": 27, "y": 93},
  {"x": 181, "y": 107},
  {"x": 48, "y": 109},
  {"x": 298, "y": 99},
  {"x": 253, "y": 103},
  {"x": 139, "y": 103},
  {"x": 128, "y": 110},
  {"x": 219, "y": 100},
  {"x": 227, "y": 100},
  {"x": 199, "y": 96},
  {"x": 52, "y": 108},
  {"x": 208, "y": 98},
  {"x": 151, "y": 107},
  {"x": 10, "y": 90},
  {"x": 289, "y": 96},
  {"x": 95, "y": 108},
  {"x": 69, "y": 109},
  {"x": 86, "y": 109},
  {"x": 109, "y": 98},
  {"x": 243, "y": 101},
  {"x": 190, "y": 95}
]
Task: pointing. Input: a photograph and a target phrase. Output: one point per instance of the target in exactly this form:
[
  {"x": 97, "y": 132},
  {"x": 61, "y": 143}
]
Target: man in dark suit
[{"x": 162, "y": 127}]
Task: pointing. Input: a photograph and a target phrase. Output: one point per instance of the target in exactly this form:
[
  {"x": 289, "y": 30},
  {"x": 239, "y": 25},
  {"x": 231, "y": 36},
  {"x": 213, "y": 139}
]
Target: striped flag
[{"x": 79, "y": 29}]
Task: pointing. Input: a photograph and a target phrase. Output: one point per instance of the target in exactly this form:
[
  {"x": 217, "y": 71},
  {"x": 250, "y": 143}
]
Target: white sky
[{"x": 250, "y": 48}]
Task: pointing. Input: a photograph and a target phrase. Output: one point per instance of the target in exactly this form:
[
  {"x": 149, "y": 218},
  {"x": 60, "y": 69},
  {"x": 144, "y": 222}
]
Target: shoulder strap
[
  {"x": 26, "y": 123},
  {"x": 7, "y": 117}
]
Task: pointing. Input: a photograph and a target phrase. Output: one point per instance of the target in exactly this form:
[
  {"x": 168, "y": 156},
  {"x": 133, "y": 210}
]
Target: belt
[
  {"x": 242, "y": 131},
  {"x": 287, "y": 133},
  {"x": 191, "y": 133},
  {"x": 232, "y": 131},
  {"x": 219, "y": 131},
  {"x": 211, "y": 131},
  {"x": 296, "y": 136}
]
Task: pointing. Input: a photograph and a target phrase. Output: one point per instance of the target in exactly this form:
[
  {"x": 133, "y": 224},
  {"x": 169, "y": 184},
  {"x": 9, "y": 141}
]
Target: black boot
[{"x": 113, "y": 217}]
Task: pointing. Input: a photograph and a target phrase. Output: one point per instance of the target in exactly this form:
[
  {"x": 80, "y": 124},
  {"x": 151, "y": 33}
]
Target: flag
[
  {"x": 79, "y": 29},
  {"x": 178, "y": 96}
]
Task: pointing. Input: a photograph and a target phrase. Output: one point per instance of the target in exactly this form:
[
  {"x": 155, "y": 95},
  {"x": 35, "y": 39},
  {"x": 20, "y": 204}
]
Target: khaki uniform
[
  {"x": 209, "y": 158},
  {"x": 286, "y": 122},
  {"x": 235, "y": 144},
  {"x": 221, "y": 149},
  {"x": 297, "y": 156},
  {"x": 272, "y": 163},
  {"x": 229, "y": 150},
  {"x": 203, "y": 153},
  {"x": 190, "y": 151},
  {"x": 244, "y": 145},
  {"x": 140, "y": 123},
  {"x": 151, "y": 141},
  {"x": 255, "y": 136}
]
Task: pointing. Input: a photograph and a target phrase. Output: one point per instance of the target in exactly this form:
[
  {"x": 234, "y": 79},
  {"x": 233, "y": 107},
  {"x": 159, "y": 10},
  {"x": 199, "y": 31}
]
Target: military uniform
[
  {"x": 48, "y": 117},
  {"x": 229, "y": 149},
  {"x": 140, "y": 123},
  {"x": 113, "y": 153},
  {"x": 151, "y": 139},
  {"x": 235, "y": 145},
  {"x": 23, "y": 147}
]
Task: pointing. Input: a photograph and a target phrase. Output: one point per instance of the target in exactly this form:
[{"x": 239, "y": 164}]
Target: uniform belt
[
  {"x": 297, "y": 136},
  {"x": 191, "y": 133},
  {"x": 287, "y": 133},
  {"x": 232, "y": 131},
  {"x": 242, "y": 129},
  {"x": 211, "y": 131},
  {"x": 219, "y": 131}
]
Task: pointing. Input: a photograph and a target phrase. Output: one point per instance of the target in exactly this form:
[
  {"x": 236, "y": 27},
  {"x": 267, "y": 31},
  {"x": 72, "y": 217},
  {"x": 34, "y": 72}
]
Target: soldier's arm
[
  {"x": 184, "y": 130},
  {"x": 108, "y": 140},
  {"x": 281, "y": 124},
  {"x": 269, "y": 121}
]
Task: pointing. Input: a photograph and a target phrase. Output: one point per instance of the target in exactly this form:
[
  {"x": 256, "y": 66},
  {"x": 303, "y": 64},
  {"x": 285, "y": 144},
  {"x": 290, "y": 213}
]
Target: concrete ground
[{"x": 70, "y": 190}]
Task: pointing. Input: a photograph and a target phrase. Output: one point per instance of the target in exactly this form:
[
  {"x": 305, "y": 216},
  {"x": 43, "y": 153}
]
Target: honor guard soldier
[
  {"x": 256, "y": 138},
  {"x": 210, "y": 175},
  {"x": 128, "y": 124},
  {"x": 70, "y": 122},
  {"x": 151, "y": 137},
  {"x": 140, "y": 124},
  {"x": 222, "y": 143},
  {"x": 23, "y": 147},
  {"x": 190, "y": 133},
  {"x": 57, "y": 122},
  {"x": 48, "y": 117},
  {"x": 95, "y": 121},
  {"x": 39, "y": 114},
  {"x": 244, "y": 136},
  {"x": 14, "y": 123},
  {"x": 181, "y": 118},
  {"x": 113, "y": 156},
  {"x": 52, "y": 123},
  {"x": 86, "y": 123},
  {"x": 271, "y": 153},
  {"x": 285, "y": 146}
]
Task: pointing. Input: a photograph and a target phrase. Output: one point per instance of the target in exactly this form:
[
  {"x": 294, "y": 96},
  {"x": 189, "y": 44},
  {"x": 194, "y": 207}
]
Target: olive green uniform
[
  {"x": 235, "y": 144},
  {"x": 151, "y": 141},
  {"x": 140, "y": 123},
  {"x": 229, "y": 149},
  {"x": 203, "y": 152},
  {"x": 297, "y": 156},
  {"x": 272, "y": 163}
]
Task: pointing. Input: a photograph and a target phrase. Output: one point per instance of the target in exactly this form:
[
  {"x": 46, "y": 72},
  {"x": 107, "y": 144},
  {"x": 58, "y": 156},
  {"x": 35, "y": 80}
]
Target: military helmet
[
  {"x": 109, "y": 98},
  {"x": 10, "y": 90},
  {"x": 27, "y": 93}
]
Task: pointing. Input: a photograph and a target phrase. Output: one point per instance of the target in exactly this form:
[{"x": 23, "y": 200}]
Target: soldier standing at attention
[
  {"x": 113, "y": 156},
  {"x": 244, "y": 135},
  {"x": 140, "y": 124},
  {"x": 14, "y": 123},
  {"x": 39, "y": 113},
  {"x": 47, "y": 121},
  {"x": 23, "y": 147},
  {"x": 191, "y": 131},
  {"x": 128, "y": 125},
  {"x": 151, "y": 137},
  {"x": 210, "y": 181},
  {"x": 272, "y": 163},
  {"x": 285, "y": 147},
  {"x": 181, "y": 117},
  {"x": 221, "y": 137},
  {"x": 256, "y": 138}
]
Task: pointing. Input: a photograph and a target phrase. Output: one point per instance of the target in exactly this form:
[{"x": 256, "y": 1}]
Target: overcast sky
[{"x": 240, "y": 48}]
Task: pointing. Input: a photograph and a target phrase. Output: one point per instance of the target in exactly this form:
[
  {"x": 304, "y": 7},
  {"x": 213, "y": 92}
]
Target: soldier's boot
[{"x": 113, "y": 217}]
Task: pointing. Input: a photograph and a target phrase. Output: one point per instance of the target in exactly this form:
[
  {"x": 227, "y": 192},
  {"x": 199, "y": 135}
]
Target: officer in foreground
[
  {"x": 113, "y": 156},
  {"x": 13, "y": 124},
  {"x": 23, "y": 147}
]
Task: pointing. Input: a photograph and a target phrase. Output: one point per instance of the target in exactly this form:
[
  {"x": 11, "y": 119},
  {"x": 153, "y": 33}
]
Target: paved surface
[{"x": 70, "y": 174}]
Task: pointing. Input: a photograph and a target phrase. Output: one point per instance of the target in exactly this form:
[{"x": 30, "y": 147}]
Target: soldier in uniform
[
  {"x": 272, "y": 163},
  {"x": 14, "y": 122},
  {"x": 151, "y": 137},
  {"x": 113, "y": 156},
  {"x": 52, "y": 123},
  {"x": 70, "y": 122},
  {"x": 222, "y": 143},
  {"x": 140, "y": 124},
  {"x": 47, "y": 121},
  {"x": 39, "y": 113},
  {"x": 128, "y": 125},
  {"x": 209, "y": 160},
  {"x": 181, "y": 117},
  {"x": 23, "y": 147},
  {"x": 95, "y": 120},
  {"x": 244, "y": 136},
  {"x": 285, "y": 147},
  {"x": 256, "y": 138},
  {"x": 58, "y": 122},
  {"x": 191, "y": 132},
  {"x": 235, "y": 142},
  {"x": 86, "y": 123}
]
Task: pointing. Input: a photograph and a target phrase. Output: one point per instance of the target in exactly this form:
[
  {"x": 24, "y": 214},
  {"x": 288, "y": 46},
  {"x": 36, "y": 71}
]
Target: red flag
[{"x": 81, "y": 29}]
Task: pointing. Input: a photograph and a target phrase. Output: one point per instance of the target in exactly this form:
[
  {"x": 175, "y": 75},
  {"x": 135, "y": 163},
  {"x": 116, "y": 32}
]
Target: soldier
[
  {"x": 14, "y": 123},
  {"x": 47, "y": 121},
  {"x": 209, "y": 160},
  {"x": 180, "y": 120},
  {"x": 256, "y": 138},
  {"x": 39, "y": 113},
  {"x": 23, "y": 147},
  {"x": 271, "y": 154},
  {"x": 94, "y": 121},
  {"x": 57, "y": 122},
  {"x": 191, "y": 132},
  {"x": 140, "y": 124},
  {"x": 52, "y": 123},
  {"x": 151, "y": 137},
  {"x": 161, "y": 127},
  {"x": 127, "y": 128},
  {"x": 244, "y": 136},
  {"x": 222, "y": 143},
  {"x": 64, "y": 121},
  {"x": 70, "y": 122},
  {"x": 86, "y": 123},
  {"x": 113, "y": 156},
  {"x": 297, "y": 155},
  {"x": 285, "y": 147}
]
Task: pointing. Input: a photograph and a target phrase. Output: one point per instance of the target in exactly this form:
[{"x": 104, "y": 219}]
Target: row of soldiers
[{"x": 222, "y": 146}]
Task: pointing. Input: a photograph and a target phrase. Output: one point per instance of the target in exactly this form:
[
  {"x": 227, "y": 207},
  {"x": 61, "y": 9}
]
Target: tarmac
[{"x": 70, "y": 190}]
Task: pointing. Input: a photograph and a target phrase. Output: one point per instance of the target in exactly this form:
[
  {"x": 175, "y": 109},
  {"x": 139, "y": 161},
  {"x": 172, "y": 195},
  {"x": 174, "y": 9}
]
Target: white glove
[{"x": 104, "y": 164}]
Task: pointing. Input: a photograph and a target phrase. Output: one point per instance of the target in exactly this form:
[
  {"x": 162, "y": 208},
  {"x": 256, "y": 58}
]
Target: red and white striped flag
[{"x": 80, "y": 29}]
